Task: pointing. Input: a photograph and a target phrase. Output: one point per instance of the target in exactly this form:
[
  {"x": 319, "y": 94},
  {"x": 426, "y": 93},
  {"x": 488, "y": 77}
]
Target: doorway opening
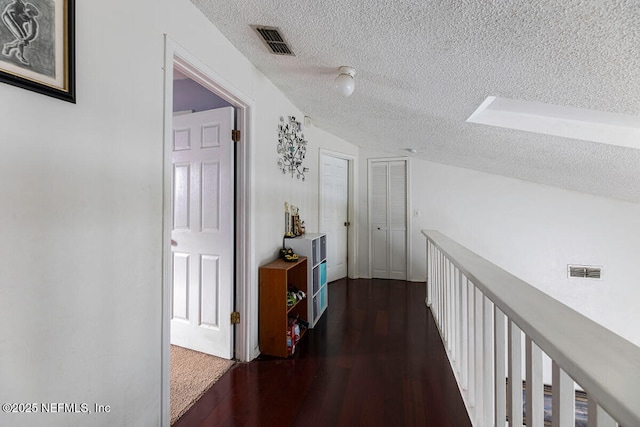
[{"x": 195, "y": 210}]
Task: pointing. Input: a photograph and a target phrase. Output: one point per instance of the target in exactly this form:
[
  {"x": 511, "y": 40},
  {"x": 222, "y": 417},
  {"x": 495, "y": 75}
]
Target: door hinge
[
  {"x": 235, "y": 318},
  {"x": 235, "y": 135}
]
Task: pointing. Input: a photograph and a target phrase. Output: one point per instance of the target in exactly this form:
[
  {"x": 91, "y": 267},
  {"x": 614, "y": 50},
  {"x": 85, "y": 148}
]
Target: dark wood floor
[{"x": 374, "y": 359}]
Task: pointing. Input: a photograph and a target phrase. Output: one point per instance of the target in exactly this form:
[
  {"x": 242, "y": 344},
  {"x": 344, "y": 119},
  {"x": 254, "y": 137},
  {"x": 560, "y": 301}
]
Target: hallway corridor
[{"x": 374, "y": 359}]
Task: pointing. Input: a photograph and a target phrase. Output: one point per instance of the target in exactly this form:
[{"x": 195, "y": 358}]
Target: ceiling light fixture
[{"x": 344, "y": 84}]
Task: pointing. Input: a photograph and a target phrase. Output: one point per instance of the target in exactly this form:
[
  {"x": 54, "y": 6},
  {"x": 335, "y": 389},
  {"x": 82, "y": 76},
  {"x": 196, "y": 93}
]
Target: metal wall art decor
[
  {"x": 37, "y": 46},
  {"x": 292, "y": 147}
]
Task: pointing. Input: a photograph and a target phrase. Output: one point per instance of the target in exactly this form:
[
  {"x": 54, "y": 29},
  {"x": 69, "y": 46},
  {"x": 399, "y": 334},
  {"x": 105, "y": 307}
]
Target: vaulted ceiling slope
[{"x": 423, "y": 67}]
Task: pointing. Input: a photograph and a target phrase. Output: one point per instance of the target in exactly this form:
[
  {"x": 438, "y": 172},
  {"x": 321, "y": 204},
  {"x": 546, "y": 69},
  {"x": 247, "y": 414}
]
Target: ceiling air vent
[
  {"x": 585, "y": 271},
  {"x": 273, "y": 39}
]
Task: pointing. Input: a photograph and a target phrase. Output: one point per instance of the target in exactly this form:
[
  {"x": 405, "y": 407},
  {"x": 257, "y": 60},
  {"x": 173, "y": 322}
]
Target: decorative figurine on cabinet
[
  {"x": 295, "y": 220},
  {"x": 293, "y": 225},
  {"x": 287, "y": 221}
]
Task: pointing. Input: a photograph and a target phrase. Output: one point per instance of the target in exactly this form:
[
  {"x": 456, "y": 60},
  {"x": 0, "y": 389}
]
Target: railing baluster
[
  {"x": 454, "y": 314},
  {"x": 535, "y": 388},
  {"x": 441, "y": 289},
  {"x": 479, "y": 369},
  {"x": 447, "y": 311},
  {"x": 451, "y": 293},
  {"x": 459, "y": 317},
  {"x": 436, "y": 286},
  {"x": 429, "y": 275},
  {"x": 598, "y": 417},
  {"x": 443, "y": 314},
  {"x": 515, "y": 375},
  {"x": 443, "y": 260},
  {"x": 471, "y": 360},
  {"x": 500, "y": 376},
  {"x": 454, "y": 325},
  {"x": 464, "y": 362},
  {"x": 440, "y": 261},
  {"x": 489, "y": 368},
  {"x": 450, "y": 319},
  {"x": 562, "y": 399}
]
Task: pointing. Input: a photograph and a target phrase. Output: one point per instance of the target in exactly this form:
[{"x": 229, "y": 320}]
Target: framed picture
[{"x": 37, "y": 46}]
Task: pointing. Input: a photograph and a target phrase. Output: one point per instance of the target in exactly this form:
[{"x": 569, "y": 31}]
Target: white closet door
[
  {"x": 388, "y": 219},
  {"x": 398, "y": 220},
  {"x": 378, "y": 202}
]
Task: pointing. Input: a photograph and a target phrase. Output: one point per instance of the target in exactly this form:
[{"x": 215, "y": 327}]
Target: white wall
[
  {"x": 80, "y": 263},
  {"x": 81, "y": 192},
  {"x": 273, "y": 188},
  {"x": 532, "y": 231}
]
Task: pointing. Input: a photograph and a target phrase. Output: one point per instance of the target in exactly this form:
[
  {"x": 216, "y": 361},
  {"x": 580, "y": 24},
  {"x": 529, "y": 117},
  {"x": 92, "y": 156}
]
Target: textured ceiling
[{"x": 424, "y": 66}]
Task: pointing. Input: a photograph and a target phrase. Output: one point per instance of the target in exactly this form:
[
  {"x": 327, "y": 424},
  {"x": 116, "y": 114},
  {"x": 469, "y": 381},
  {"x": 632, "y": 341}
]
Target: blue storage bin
[{"x": 323, "y": 273}]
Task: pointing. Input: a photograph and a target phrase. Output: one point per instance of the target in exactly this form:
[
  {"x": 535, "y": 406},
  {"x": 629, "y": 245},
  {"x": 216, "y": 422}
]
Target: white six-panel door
[
  {"x": 388, "y": 218},
  {"x": 202, "y": 233},
  {"x": 334, "y": 202}
]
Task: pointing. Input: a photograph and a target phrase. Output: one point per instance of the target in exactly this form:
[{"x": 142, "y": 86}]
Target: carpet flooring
[{"x": 192, "y": 374}]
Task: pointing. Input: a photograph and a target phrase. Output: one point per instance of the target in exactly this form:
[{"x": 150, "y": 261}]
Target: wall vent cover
[
  {"x": 272, "y": 37},
  {"x": 585, "y": 271}
]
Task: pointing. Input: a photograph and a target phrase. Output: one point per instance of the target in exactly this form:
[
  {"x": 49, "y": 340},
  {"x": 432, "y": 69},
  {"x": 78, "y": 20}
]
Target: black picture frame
[{"x": 37, "y": 46}]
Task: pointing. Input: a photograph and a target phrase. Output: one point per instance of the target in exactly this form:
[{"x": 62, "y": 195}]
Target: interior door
[
  {"x": 334, "y": 215},
  {"x": 388, "y": 219},
  {"x": 202, "y": 233}
]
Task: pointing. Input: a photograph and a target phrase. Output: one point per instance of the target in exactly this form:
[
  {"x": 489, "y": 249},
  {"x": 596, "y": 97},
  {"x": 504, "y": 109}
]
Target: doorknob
[
  {"x": 347, "y": 223},
  {"x": 174, "y": 243}
]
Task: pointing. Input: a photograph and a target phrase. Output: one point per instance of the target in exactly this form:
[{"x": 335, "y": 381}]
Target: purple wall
[{"x": 189, "y": 95}]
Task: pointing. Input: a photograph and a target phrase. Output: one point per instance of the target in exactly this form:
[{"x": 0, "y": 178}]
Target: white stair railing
[{"x": 487, "y": 317}]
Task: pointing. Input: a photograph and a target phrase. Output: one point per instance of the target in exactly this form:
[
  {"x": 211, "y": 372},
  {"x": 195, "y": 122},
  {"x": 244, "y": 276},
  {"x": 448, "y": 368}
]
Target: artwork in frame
[{"x": 37, "y": 46}]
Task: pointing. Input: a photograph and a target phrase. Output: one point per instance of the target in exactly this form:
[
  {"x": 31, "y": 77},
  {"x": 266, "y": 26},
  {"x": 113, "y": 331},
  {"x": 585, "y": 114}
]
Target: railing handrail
[{"x": 609, "y": 370}]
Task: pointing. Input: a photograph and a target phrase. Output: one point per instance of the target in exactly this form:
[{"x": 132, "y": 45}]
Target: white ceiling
[{"x": 423, "y": 67}]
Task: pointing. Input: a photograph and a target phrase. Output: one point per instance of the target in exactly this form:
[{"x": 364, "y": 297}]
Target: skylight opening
[{"x": 568, "y": 122}]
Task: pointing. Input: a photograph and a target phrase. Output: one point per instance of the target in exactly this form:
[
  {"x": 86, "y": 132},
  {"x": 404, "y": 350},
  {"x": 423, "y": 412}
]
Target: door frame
[
  {"x": 407, "y": 161},
  {"x": 352, "y": 234},
  {"x": 178, "y": 57}
]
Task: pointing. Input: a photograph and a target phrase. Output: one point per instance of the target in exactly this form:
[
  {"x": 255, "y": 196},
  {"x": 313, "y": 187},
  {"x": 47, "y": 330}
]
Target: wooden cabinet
[
  {"x": 275, "y": 279},
  {"x": 314, "y": 247}
]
